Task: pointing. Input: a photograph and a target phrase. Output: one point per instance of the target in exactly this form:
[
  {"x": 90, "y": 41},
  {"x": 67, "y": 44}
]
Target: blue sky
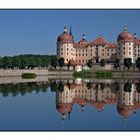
[{"x": 36, "y": 31}]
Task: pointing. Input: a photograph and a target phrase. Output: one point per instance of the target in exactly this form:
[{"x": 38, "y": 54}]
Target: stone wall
[{"x": 4, "y": 73}]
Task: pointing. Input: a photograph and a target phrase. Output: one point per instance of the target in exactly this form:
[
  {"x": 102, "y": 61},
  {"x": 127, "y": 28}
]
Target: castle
[{"x": 126, "y": 46}]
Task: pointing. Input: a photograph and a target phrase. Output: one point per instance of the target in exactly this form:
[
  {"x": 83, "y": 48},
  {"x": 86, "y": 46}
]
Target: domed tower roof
[
  {"x": 83, "y": 41},
  {"x": 125, "y": 36},
  {"x": 98, "y": 105},
  {"x": 99, "y": 41},
  {"x": 65, "y": 37},
  {"x": 125, "y": 111},
  {"x": 64, "y": 107}
]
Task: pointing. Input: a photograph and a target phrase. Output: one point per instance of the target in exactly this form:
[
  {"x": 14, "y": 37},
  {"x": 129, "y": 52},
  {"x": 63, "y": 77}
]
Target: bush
[
  {"x": 28, "y": 75},
  {"x": 83, "y": 74},
  {"x": 104, "y": 74}
]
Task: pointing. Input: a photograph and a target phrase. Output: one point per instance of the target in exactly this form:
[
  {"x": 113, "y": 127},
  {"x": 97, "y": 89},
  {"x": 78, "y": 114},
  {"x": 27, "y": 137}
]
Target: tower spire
[
  {"x": 125, "y": 28},
  {"x": 83, "y": 36},
  {"x": 124, "y": 121},
  {"x": 70, "y": 30},
  {"x": 65, "y": 29}
]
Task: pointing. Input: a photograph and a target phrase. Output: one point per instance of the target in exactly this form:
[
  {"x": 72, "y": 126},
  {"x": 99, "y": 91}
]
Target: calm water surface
[{"x": 70, "y": 105}]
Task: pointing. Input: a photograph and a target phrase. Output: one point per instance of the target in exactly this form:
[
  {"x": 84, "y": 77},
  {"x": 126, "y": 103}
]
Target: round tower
[
  {"x": 125, "y": 41},
  {"x": 65, "y": 47}
]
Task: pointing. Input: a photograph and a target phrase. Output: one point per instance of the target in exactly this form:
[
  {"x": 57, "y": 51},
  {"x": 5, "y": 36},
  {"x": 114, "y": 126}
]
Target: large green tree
[{"x": 26, "y": 61}]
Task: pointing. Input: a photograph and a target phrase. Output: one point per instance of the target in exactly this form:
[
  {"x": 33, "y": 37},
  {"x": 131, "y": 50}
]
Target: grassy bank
[
  {"x": 28, "y": 75},
  {"x": 103, "y": 74},
  {"x": 84, "y": 74}
]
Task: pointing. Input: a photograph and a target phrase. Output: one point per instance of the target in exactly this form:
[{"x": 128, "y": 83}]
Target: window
[
  {"x": 67, "y": 60},
  {"x": 67, "y": 49},
  {"x": 129, "y": 53},
  {"x": 61, "y": 53},
  {"x": 102, "y": 54},
  {"x": 123, "y": 43},
  {"x": 124, "y": 53},
  {"x": 112, "y": 50},
  {"x": 124, "y": 48},
  {"x": 61, "y": 49},
  {"x": 86, "y": 54},
  {"x": 91, "y": 50},
  {"x": 91, "y": 54},
  {"x": 103, "y": 50},
  {"x": 67, "y": 54},
  {"x": 83, "y": 54},
  {"x": 129, "y": 43},
  {"x": 108, "y": 50},
  {"x": 79, "y": 54},
  {"x": 129, "y": 48},
  {"x": 107, "y": 54}
]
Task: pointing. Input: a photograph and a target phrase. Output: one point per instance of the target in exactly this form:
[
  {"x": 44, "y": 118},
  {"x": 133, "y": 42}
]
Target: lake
[{"x": 70, "y": 105}]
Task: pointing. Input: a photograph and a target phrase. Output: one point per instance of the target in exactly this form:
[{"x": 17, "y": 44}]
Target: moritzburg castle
[{"x": 126, "y": 46}]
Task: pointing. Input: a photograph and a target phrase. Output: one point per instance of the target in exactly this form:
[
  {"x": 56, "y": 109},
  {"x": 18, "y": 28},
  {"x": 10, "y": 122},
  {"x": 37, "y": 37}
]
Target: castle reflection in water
[{"x": 125, "y": 94}]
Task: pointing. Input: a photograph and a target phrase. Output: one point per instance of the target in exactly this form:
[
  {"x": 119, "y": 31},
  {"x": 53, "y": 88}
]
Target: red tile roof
[
  {"x": 64, "y": 107},
  {"x": 125, "y": 110},
  {"x": 137, "y": 41},
  {"x": 111, "y": 45},
  {"x": 99, "y": 41},
  {"x": 125, "y": 36},
  {"x": 65, "y": 38}
]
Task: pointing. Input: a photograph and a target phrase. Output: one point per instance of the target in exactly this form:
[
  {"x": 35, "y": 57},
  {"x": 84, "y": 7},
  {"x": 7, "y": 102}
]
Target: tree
[
  {"x": 69, "y": 64},
  {"x": 117, "y": 63},
  {"x": 61, "y": 62},
  {"x": 138, "y": 63},
  {"x": 89, "y": 85},
  {"x": 53, "y": 86},
  {"x": 54, "y": 62},
  {"x": 117, "y": 86},
  {"x": 102, "y": 63},
  {"x": 128, "y": 62},
  {"x": 138, "y": 87},
  {"x": 127, "y": 87},
  {"x": 60, "y": 87},
  {"x": 89, "y": 63},
  {"x": 102, "y": 86}
]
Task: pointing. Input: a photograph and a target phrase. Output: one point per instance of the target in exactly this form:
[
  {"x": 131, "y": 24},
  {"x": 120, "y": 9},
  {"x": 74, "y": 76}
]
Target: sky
[{"x": 36, "y": 31}]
